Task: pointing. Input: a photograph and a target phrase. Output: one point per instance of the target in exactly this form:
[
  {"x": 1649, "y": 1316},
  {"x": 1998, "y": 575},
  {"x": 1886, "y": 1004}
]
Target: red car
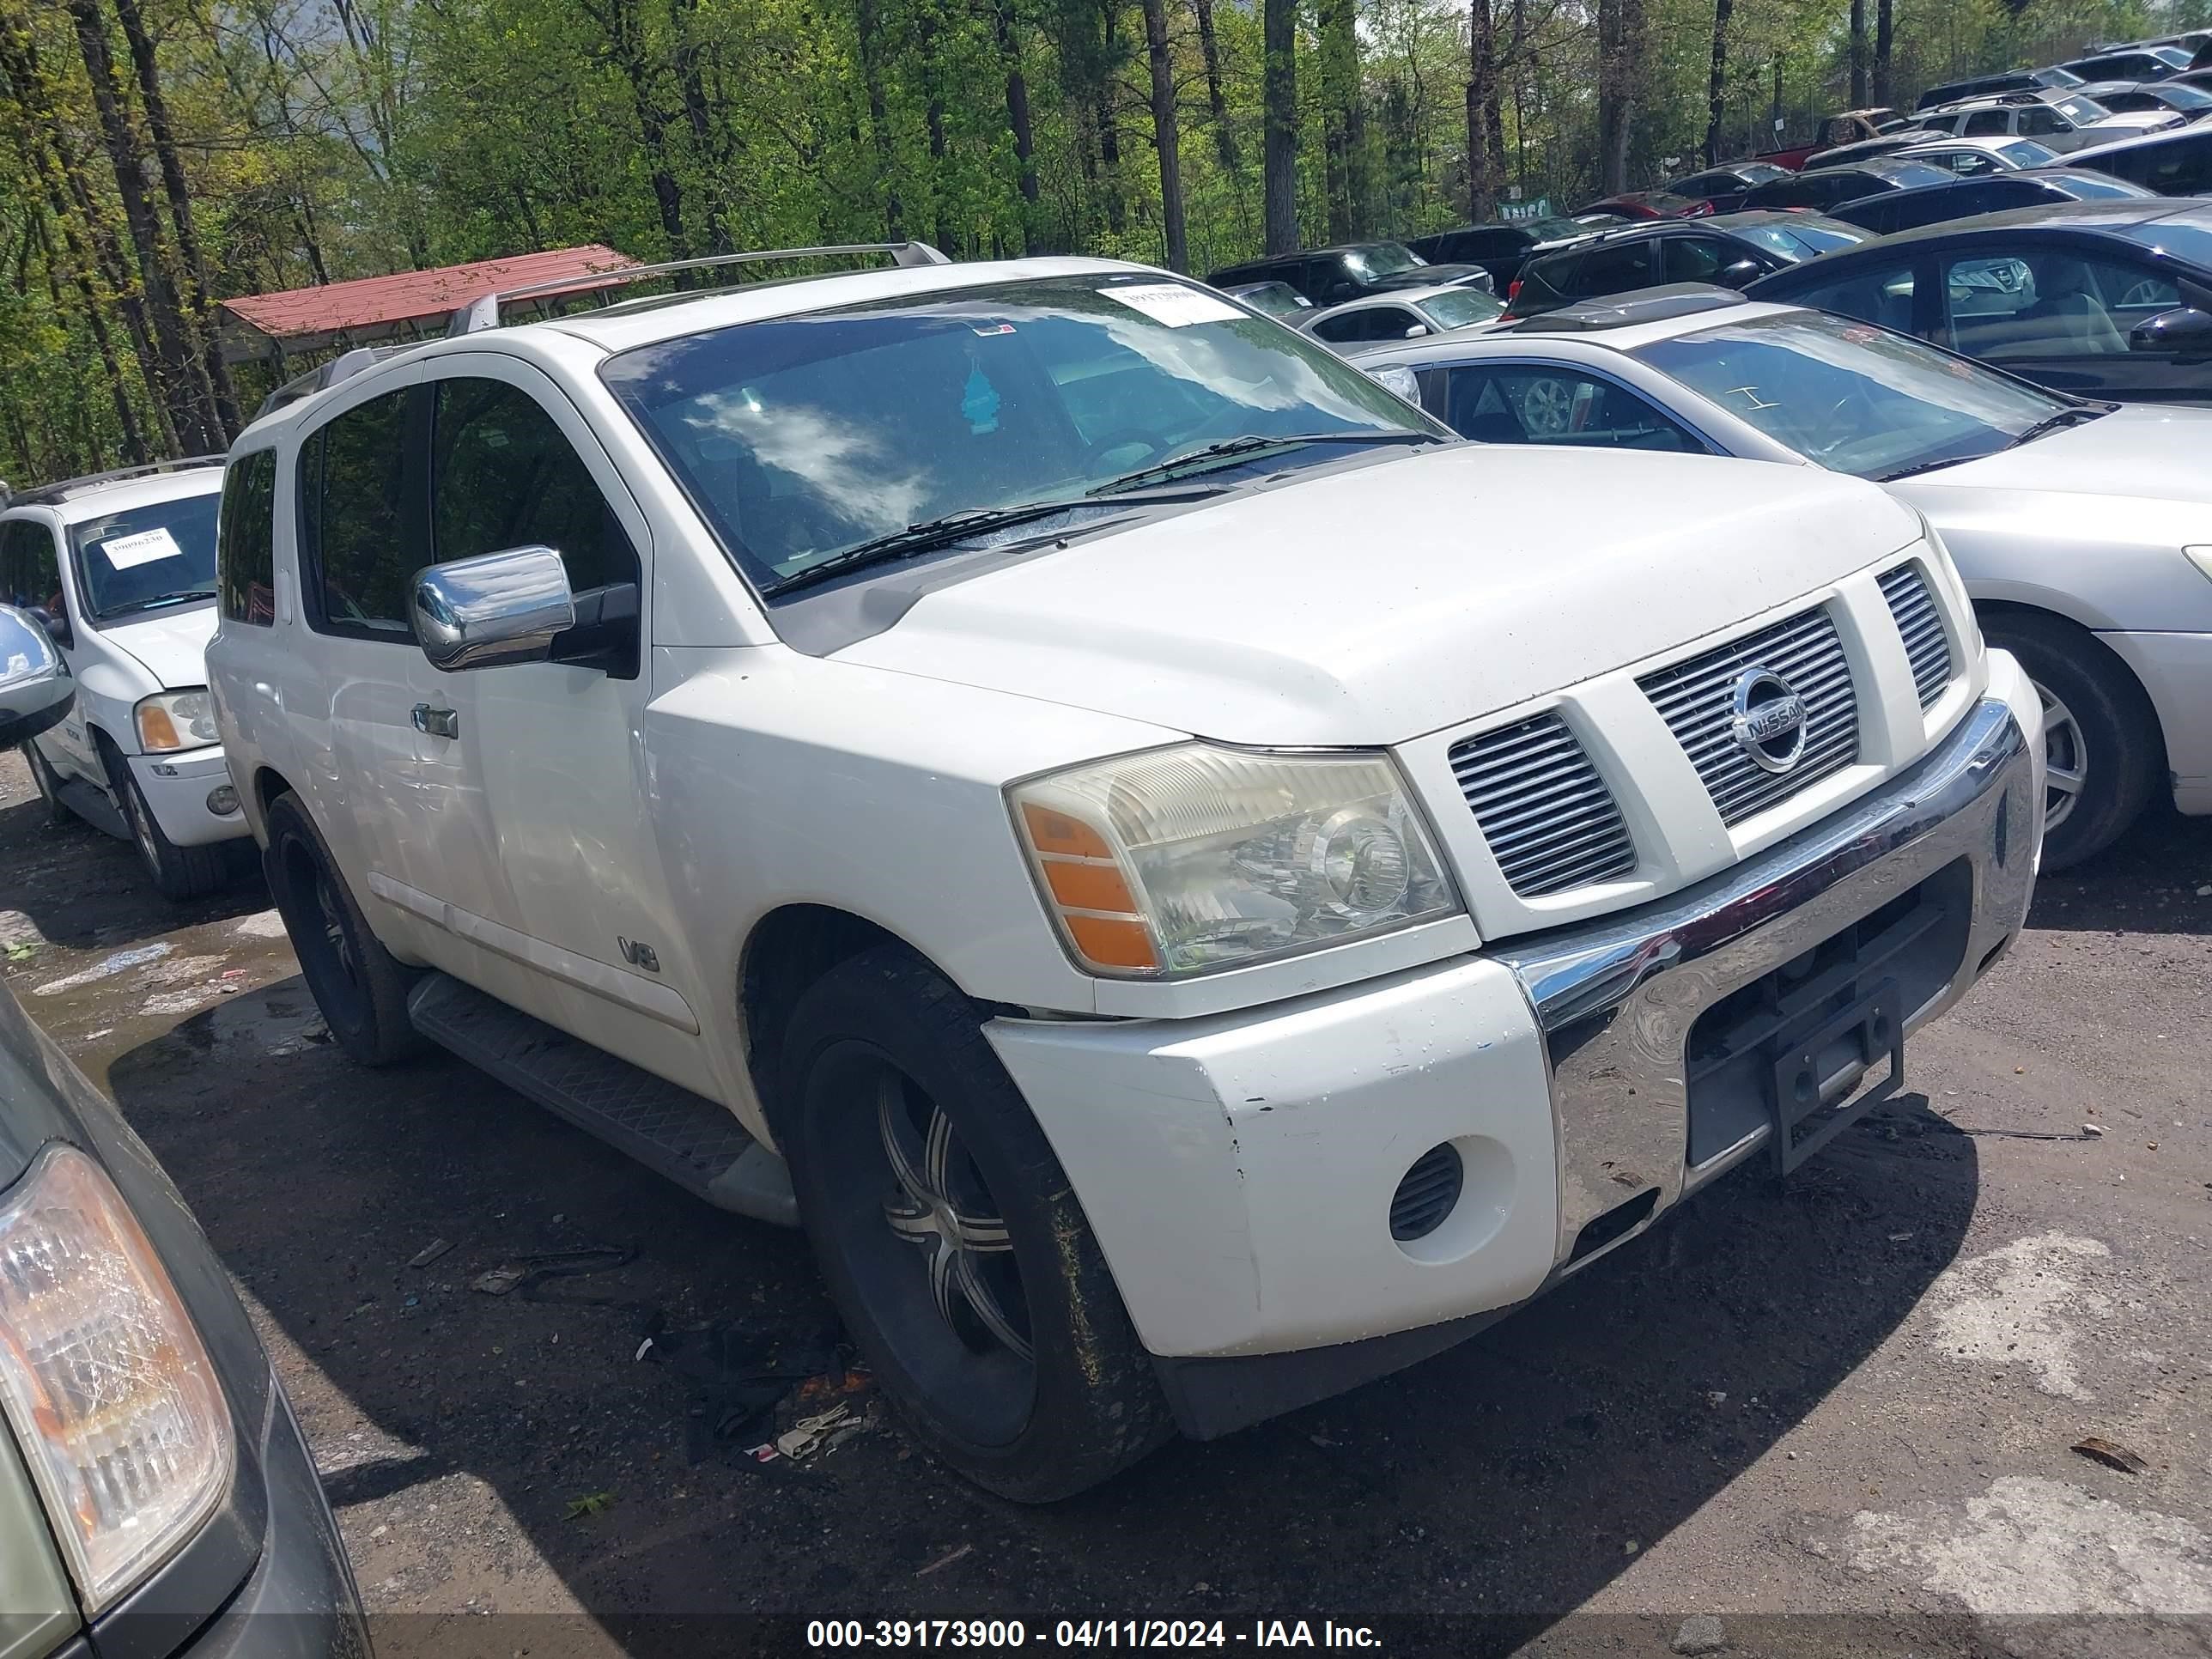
[{"x": 1644, "y": 204}]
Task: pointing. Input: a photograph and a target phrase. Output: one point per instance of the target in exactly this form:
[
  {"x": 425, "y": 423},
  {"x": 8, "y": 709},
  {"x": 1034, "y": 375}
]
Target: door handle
[{"x": 437, "y": 722}]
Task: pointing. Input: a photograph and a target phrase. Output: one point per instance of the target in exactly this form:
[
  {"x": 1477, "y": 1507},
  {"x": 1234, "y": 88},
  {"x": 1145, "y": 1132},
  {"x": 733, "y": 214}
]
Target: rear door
[{"x": 1616, "y": 267}]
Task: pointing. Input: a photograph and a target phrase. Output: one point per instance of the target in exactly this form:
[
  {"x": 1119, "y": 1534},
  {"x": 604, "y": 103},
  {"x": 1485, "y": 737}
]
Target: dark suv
[
  {"x": 1729, "y": 250},
  {"x": 1500, "y": 247},
  {"x": 1330, "y": 275}
]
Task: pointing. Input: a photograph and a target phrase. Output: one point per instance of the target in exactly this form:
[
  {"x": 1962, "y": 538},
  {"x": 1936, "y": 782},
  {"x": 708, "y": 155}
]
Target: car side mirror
[
  {"x": 492, "y": 610},
  {"x": 57, "y": 626},
  {"x": 36, "y": 688},
  {"x": 1739, "y": 273},
  {"x": 1341, "y": 291},
  {"x": 1417, "y": 331},
  {"x": 2184, "y": 330}
]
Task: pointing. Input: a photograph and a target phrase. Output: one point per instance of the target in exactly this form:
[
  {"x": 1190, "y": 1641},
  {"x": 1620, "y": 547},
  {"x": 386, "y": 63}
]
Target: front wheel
[
  {"x": 177, "y": 873},
  {"x": 2100, "y": 738},
  {"x": 952, "y": 1244}
]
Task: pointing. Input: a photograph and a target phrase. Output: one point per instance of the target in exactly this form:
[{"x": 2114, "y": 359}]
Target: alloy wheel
[
  {"x": 1546, "y": 407},
  {"x": 942, "y": 1207},
  {"x": 2066, "y": 760}
]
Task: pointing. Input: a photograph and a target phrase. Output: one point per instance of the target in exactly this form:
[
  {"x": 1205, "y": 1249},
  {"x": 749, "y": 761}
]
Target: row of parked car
[{"x": 989, "y": 763}]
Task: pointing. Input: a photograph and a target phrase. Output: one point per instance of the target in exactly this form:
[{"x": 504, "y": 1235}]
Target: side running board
[{"x": 696, "y": 1144}]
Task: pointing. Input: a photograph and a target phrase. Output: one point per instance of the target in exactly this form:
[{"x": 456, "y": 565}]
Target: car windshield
[
  {"x": 1458, "y": 307},
  {"x": 801, "y": 438},
  {"x": 2180, "y": 95},
  {"x": 2096, "y": 187},
  {"x": 1853, "y": 398},
  {"x": 1381, "y": 259},
  {"x": 145, "y": 558},
  {"x": 1555, "y": 230},
  {"x": 1276, "y": 299},
  {"x": 2056, "y": 76},
  {"x": 1806, "y": 237},
  {"x": 2026, "y": 152},
  {"x": 2080, "y": 111}
]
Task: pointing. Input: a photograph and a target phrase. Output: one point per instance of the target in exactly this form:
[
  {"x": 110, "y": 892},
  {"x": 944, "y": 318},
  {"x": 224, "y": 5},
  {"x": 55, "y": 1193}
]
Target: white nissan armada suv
[
  {"x": 120, "y": 567},
  {"x": 1195, "y": 887}
]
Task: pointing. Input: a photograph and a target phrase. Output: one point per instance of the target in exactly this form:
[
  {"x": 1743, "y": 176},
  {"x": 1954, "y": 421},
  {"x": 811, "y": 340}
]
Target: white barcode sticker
[
  {"x": 128, "y": 552},
  {"x": 1172, "y": 303}
]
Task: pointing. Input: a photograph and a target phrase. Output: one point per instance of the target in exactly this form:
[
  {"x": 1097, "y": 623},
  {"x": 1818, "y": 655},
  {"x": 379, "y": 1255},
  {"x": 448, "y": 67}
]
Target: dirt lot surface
[{"x": 1855, "y": 1397}]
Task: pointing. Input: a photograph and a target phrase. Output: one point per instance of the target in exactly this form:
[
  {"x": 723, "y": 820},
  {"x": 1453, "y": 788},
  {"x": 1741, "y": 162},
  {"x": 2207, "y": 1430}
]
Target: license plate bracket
[{"x": 1795, "y": 1096}]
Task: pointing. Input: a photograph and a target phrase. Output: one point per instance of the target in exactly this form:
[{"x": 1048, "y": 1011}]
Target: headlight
[
  {"x": 176, "y": 719},
  {"x": 110, "y": 1396},
  {"x": 2199, "y": 557},
  {"x": 1175, "y": 862}
]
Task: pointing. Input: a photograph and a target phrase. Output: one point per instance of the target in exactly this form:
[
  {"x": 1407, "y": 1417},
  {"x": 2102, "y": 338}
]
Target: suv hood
[
  {"x": 171, "y": 644},
  {"x": 1388, "y": 599}
]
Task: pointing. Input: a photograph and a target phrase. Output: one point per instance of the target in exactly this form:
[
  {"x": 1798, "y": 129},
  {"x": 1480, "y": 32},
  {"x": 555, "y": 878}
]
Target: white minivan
[{"x": 120, "y": 567}]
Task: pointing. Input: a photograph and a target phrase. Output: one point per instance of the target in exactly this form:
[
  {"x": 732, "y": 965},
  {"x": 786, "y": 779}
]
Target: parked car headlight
[
  {"x": 1186, "y": 860},
  {"x": 105, "y": 1382},
  {"x": 176, "y": 719},
  {"x": 2199, "y": 557}
]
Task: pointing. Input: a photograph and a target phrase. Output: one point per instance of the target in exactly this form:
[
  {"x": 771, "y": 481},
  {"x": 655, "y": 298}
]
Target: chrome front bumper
[{"x": 1616, "y": 999}]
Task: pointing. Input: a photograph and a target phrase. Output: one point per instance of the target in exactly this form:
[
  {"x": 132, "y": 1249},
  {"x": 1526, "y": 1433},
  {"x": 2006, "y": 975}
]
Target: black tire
[
  {"x": 177, "y": 872},
  {"x": 360, "y": 986},
  {"x": 49, "y": 784},
  {"x": 883, "y": 1039},
  {"x": 2100, "y": 726}
]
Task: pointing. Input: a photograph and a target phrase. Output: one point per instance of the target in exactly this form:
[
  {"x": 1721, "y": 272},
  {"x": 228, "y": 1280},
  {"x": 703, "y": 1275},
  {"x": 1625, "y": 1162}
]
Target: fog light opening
[
  {"x": 1428, "y": 1193},
  {"x": 223, "y": 800}
]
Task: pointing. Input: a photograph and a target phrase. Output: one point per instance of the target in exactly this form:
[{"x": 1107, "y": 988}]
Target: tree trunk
[
  {"x": 867, "y": 17},
  {"x": 1717, "y": 83},
  {"x": 1885, "y": 28},
  {"x": 1279, "y": 31},
  {"x": 1163, "y": 133},
  {"x": 1017, "y": 119},
  {"x": 1483, "y": 167},
  {"x": 95, "y": 321},
  {"x": 1217, "y": 105},
  {"x": 1110, "y": 132},
  {"x": 1858, "y": 54},
  {"x": 180, "y": 209},
  {"x": 1615, "y": 93},
  {"x": 1339, "y": 95},
  {"x": 191, "y": 402}
]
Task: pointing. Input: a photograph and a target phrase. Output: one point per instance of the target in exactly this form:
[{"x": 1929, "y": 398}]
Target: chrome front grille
[
  {"x": 1550, "y": 820},
  {"x": 1697, "y": 699},
  {"x": 1922, "y": 624}
]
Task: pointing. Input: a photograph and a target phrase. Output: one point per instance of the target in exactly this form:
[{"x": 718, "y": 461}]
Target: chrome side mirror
[
  {"x": 35, "y": 687},
  {"x": 496, "y": 609}
]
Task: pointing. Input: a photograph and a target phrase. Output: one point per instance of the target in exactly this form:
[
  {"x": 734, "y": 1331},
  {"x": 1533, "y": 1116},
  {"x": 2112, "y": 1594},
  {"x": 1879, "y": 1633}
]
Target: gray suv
[{"x": 157, "y": 1496}]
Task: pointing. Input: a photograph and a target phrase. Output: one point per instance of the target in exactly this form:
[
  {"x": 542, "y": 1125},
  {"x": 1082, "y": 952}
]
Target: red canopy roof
[{"x": 377, "y": 307}]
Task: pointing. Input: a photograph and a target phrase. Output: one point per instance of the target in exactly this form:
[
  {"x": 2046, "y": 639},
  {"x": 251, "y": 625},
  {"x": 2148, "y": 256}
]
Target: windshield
[
  {"x": 799, "y": 438},
  {"x": 2055, "y": 77},
  {"x": 1381, "y": 259},
  {"x": 1855, "y": 398},
  {"x": 2026, "y": 152},
  {"x": 1555, "y": 230},
  {"x": 1806, "y": 237},
  {"x": 2095, "y": 186},
  {"x": 2181, "y": 95},
  {"x": 1276, "y": 299},
  {"x": 2080, "y": 111},
  {"x": 1460, "y": 306},
  {"x": 143, "y": 557}
]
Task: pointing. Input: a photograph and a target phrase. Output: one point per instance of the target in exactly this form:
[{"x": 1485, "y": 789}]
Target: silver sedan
[
  {"x": 1358, "y": 326},
  {"x": 2083, "y": 530}
]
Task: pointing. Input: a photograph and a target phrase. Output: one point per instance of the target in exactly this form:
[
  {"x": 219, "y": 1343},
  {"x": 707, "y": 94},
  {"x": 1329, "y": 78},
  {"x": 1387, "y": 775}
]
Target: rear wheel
[
  {"x": 952, "y": 1244},
  {"x": 49, "y": 784},
  {"x": 2100, "y": 741},
  {"x": 360, "y": 986}
]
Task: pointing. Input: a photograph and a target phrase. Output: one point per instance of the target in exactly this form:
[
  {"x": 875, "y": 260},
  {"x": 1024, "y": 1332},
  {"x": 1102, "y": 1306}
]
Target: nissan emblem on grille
[{"x": 1770, "y": 719}]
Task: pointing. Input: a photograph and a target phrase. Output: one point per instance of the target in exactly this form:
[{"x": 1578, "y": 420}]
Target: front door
[
  {"x": 561, "y": 907},
  {"x": 2065, "y": 318}
]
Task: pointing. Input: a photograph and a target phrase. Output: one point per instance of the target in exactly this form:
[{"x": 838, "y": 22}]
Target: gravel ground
[{"x": 1836, "y": 1417}]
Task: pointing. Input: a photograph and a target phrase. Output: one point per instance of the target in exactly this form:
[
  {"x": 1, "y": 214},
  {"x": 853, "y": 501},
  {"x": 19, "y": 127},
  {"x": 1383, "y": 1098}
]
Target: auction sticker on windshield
[
  {"x": 1173, "y": 304},
  {"x": 129, "y": 552}
]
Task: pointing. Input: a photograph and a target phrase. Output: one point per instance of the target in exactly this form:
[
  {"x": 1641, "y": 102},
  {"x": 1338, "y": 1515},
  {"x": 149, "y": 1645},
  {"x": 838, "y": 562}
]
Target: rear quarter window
[{"x": 246, "y": 540}]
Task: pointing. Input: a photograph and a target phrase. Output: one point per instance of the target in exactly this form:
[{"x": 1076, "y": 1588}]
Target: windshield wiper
[
  {"x": 921, "y": 537},
  {"x": 2052, "y": 423},
  {"x": 1236, "y": 449},
  {"x": 177, "y": 597}
]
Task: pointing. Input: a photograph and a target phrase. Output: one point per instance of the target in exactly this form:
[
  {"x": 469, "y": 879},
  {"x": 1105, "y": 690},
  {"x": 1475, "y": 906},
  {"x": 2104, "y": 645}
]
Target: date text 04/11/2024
[{"x": 1002, "y": 1634}]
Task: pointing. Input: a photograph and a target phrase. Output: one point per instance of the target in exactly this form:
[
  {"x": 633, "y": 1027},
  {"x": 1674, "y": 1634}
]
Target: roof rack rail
[
  {"x": 483, "y": 312},
  {"x": 62, "y": 489},
  {"x": 322, "y": 376}
]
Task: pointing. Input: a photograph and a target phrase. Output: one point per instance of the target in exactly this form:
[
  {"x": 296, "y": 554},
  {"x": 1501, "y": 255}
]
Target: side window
[
  {"x": 1617, "y": 270},
  {"x": 1697, "y": 258},
  {"x": 246, "y": 540},
  {"x": 1882, "y": 295},
  {"x": 30, "y": 571},
  {"x": 1548, "y": 405},
  {"x": 2038, "y": 119},
  {"x": 2050, "y": 304},
  {"x": 502, "y": 476},
  {"x": 351, "y": 484},
  {"x": 1988, "y": 123}
]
